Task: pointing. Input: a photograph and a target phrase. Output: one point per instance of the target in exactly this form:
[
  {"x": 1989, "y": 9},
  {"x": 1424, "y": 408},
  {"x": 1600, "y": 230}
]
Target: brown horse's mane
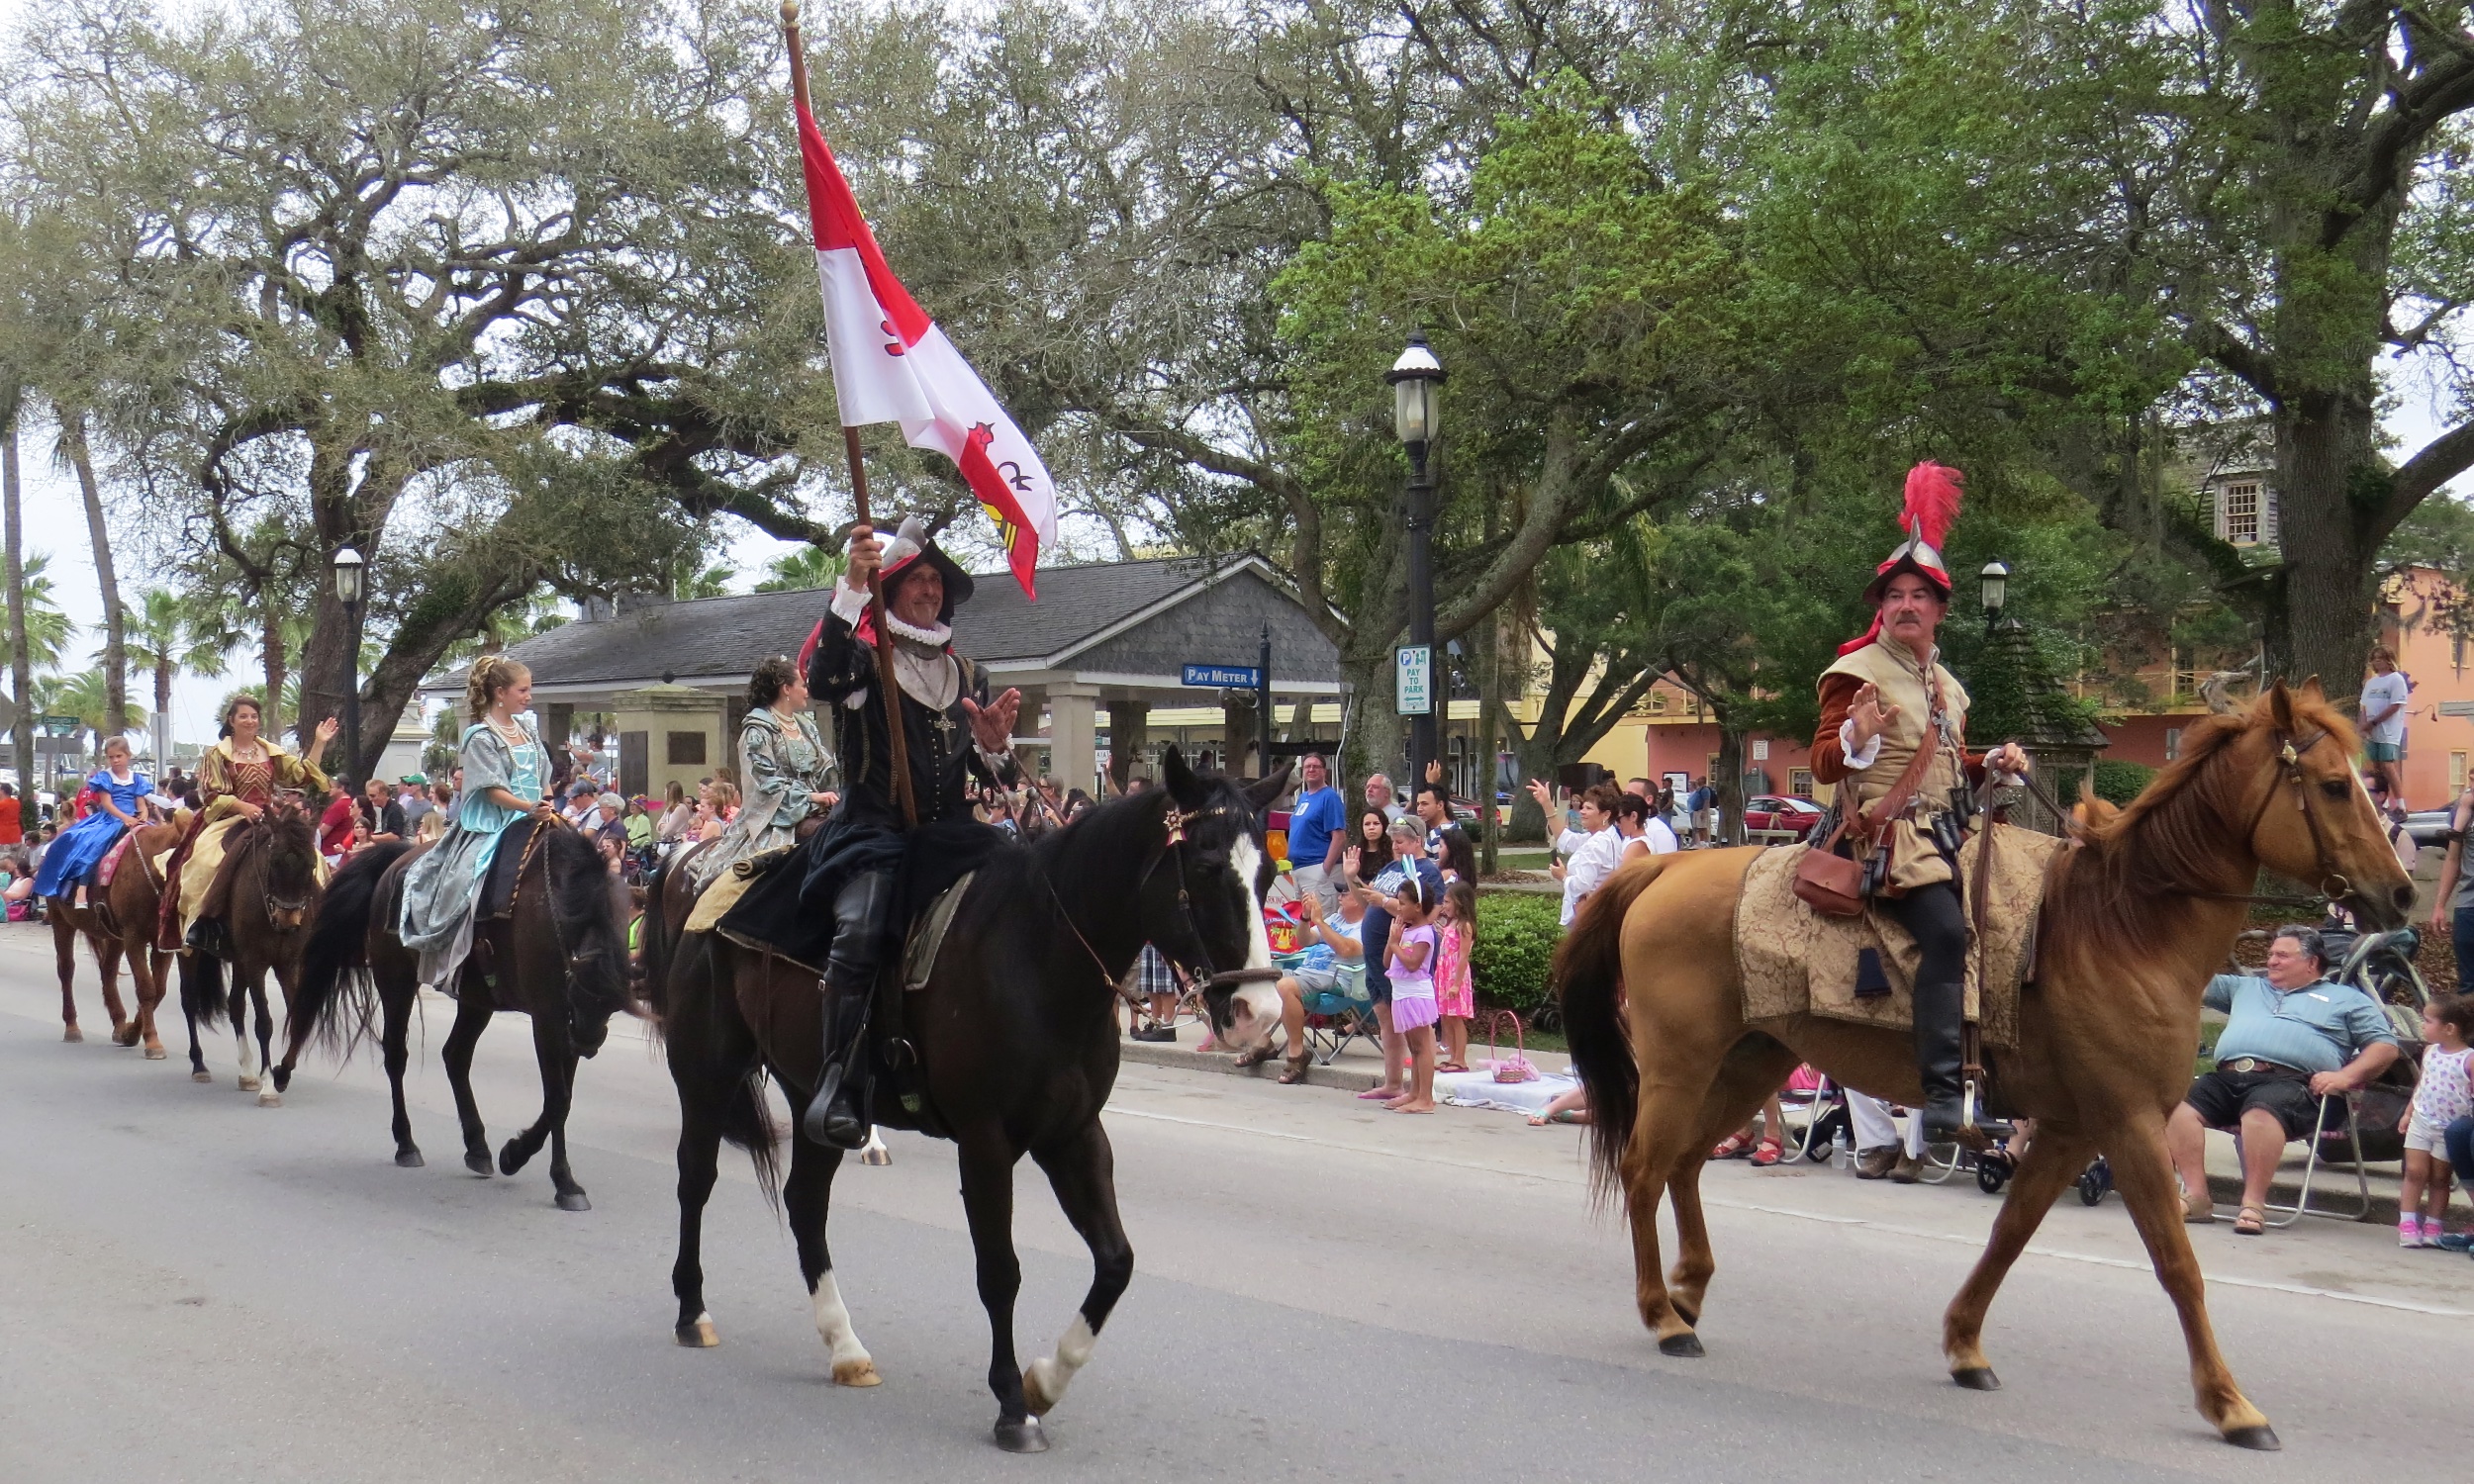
[{"x": 2135, "y": 866}]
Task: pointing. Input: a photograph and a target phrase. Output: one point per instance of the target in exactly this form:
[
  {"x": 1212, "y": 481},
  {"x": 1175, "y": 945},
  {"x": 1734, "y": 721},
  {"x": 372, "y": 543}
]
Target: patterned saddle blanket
[{"x": 1794, "y": 961}]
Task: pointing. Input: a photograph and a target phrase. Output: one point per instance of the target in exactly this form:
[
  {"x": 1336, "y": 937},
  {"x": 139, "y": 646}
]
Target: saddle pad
[
  {"x": 725, "y": 890},
  {"x": 927, "y": 935},
  {"x": 1794, "y": 961},
  {"x": 111, "y": 862}
]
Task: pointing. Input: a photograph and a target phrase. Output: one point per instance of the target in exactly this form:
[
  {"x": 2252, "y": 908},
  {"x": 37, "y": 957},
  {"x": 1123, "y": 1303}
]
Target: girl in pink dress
[{"x": 1456, "y": 996}]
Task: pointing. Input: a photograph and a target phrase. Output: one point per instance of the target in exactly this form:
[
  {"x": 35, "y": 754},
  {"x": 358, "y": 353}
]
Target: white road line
[
  {"x": 2035, "y": 1250},
  {"x": 1204, "y": 1123}
]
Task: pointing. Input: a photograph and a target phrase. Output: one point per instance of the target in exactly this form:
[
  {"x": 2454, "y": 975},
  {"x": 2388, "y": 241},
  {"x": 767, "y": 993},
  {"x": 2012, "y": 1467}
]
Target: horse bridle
[
  {"x": 1175, "y": 823},
  {"x": 296, "y": 800},
  {"x": 2334, "y": 884}
]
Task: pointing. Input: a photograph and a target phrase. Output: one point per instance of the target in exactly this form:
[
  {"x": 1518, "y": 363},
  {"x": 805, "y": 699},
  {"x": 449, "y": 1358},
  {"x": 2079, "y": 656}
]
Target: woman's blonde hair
[{"x": 491, "y": 674}]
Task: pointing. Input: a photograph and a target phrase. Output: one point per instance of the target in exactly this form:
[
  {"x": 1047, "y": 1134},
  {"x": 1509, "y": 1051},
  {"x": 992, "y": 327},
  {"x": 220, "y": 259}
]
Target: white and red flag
[{"x": 892, "y": 365}]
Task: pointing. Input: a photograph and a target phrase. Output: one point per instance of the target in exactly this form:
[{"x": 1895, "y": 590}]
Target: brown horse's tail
[
  {"x": 1588, "y": 977},
  {"x": 334, "y": 1001}
]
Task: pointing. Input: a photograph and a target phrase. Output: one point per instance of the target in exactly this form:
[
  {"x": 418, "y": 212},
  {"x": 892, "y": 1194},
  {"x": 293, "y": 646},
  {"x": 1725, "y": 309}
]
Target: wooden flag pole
[{"x": 887, "y": 685}]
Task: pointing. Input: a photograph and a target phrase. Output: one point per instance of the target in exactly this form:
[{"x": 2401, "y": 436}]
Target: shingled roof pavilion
[{"x": 1116, "y": 634}]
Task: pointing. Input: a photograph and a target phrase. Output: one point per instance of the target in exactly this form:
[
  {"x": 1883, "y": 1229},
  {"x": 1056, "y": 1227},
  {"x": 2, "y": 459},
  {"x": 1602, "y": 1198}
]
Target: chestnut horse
[
  {"x": 2135, "y": 919},
  {"x": 118, "y": 924}
]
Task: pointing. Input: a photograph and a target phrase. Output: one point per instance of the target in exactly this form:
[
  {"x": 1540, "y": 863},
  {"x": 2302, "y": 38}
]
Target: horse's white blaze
[
  {"x": 1244, "y": 860},
  {"x": 1049, "y": 1375},
  {"x": 833, "y": 1324}
]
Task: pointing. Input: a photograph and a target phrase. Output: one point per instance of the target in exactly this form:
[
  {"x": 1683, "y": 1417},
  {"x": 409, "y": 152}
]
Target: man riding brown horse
[
  {"x": 1893, "y": 727},
  {"x": 833, "y": 905}
]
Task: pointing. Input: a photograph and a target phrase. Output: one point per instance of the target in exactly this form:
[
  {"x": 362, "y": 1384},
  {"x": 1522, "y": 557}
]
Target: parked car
[{"x": 1775, "y": 811}]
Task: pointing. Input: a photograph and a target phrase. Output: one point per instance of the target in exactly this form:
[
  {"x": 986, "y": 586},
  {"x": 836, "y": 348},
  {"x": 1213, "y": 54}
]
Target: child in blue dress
[{"x": 120, "y": 804}]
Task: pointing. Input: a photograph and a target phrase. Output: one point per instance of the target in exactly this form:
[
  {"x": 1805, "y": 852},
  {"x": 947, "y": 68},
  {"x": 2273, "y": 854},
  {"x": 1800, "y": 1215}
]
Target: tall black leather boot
[
  {"x": 1940, "y": 1054},
  {"x": 837, "y": 1116}
]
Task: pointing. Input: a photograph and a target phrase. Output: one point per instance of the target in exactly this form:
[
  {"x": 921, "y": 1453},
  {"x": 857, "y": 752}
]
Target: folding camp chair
[
  {"x": 2324, "y": 1137},
  {"x": 1344, "y": 1013}
]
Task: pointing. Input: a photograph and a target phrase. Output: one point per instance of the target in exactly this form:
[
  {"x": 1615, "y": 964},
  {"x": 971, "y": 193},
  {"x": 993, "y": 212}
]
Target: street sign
[
  {"x": 62, "y": 727},
  {"x": 1412, "y": 680},
  {"x": 1225, "y": 677}
]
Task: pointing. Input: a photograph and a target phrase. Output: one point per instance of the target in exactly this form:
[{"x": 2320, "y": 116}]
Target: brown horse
[
  {"x": 2135, "y": 919},
  {"x": 102, "y": 922},
  {"x": 271, "y": 910}
]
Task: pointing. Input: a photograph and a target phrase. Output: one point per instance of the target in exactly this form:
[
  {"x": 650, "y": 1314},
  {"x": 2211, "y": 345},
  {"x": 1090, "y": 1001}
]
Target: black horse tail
[
  {"x": 1588, "y": 978},
  {"x": 654, "y": 949},
  {"x": 202, "y": 996},
  {"x": 747, "y": 1121},
  {"x": 334, "y": 1000}
]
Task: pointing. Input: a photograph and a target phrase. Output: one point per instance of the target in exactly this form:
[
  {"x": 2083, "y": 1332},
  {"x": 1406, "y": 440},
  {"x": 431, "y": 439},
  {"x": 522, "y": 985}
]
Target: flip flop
[{"x": 1450, "y": 1067}]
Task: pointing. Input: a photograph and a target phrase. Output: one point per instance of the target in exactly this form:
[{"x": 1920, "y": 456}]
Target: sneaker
[
  {"x": 2456, "y": 1242},
  {"x": 2430, "y": 1231},
  {"x": 1156, "y": 1033},
  {"x": 2408, "y": 1233}
]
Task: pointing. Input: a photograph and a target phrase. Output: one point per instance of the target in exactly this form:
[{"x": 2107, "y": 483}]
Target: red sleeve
[{"x": 1838, "y": 693}]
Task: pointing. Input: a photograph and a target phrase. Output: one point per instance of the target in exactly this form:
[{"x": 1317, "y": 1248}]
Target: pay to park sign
[{"x": 1413, "y": 679}]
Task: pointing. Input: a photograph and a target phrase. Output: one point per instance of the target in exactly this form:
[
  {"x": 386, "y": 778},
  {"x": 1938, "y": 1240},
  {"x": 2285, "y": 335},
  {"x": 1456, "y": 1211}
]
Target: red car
[{"x": 1772, "y": 812}]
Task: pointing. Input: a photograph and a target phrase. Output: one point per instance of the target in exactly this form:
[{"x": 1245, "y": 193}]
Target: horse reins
[{"x": 1174, "y": 822}]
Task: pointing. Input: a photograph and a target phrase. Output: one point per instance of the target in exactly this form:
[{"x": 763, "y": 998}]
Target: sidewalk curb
[
  {"x": 2328, "y": 1185},
  {"x": 1162, "y": 1053}
]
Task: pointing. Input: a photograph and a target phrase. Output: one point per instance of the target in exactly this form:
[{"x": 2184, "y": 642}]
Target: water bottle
[{"x": 1840, "y": 1155}]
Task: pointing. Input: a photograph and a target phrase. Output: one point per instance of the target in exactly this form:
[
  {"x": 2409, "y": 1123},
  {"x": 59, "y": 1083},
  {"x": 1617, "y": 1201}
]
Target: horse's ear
[
  {"x": 1182, "y": 784},
  {"x": 2311, "y": 692},
  {"x": 1263, "y": 795},
  {"x": 2281, "y": 705}
]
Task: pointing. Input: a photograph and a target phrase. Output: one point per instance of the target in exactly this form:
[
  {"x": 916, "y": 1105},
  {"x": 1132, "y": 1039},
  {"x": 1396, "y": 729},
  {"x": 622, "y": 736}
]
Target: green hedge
[
  {"x": 2119, "y": 782},
  {"x": 1516, "y": 936}
]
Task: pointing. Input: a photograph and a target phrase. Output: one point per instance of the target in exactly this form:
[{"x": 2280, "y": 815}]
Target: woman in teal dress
[
  {"x": 783, "y": 759},
  {"x": 505, "y": 776}
]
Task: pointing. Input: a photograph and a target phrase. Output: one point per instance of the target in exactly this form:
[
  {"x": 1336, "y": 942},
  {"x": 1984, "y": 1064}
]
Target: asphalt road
[{"x": 194, "y": 1287}]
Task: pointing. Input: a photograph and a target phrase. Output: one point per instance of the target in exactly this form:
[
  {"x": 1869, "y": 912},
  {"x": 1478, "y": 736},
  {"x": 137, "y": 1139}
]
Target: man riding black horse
[{"x": 845, "y": 915}]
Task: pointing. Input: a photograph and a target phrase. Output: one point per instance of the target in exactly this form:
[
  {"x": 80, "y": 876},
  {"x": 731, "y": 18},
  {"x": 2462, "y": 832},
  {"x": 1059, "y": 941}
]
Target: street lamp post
[
  {"x": 350, "y": 570},
  {"x": 1416, "y": 385},
  {"x": 1993, "y": 590}
]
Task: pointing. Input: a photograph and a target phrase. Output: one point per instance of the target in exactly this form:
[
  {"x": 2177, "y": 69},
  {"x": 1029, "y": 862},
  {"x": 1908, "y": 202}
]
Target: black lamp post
[
  {"x": 350, "y": 571},
  {"x": 1994, "y": 590},
  {"x": 1416, "y": 394}
]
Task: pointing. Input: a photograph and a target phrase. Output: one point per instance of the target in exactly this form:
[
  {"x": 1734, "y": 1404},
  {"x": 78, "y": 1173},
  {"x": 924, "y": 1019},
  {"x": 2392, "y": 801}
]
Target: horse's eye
[{"x": 2336, "y": 787}]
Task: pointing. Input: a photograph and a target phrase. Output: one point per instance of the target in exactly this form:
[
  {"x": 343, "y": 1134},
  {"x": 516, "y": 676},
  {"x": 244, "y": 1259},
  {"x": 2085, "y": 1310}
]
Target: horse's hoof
[
  {"x": 154, "y": 1054},
  {"x": 862, "y": 1372},
  {"x": 1686, "y": 1345},
  {"x": 202, "y": 1075},
  {"x": 270, "y": 1098},
  {"x": 512, "y": 1158},
  {"x": 248, "y": 1085},
  {"x": 407, "y": 1158},
  {"x": 283, "y": 1079},
  {"x": 1024, "y": 1436},
  {"x": 701, "y": 1335},
  {"x": 573, "y": 1200},
  {"x": 2263, "y": 1438},
  {"x": 72, "y": 1033},
  {"x": 478, "y": 1161},
  {"x": 125, "y": 1035},
  {"x": 1977, "y": 1378}
]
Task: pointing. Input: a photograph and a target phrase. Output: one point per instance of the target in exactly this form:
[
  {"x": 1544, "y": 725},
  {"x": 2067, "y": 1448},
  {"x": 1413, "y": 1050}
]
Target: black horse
[
  {"x": 559, "y": 956},
  {"x": 1016, "y": 1046},
  {"x": 269, "y": 911}
]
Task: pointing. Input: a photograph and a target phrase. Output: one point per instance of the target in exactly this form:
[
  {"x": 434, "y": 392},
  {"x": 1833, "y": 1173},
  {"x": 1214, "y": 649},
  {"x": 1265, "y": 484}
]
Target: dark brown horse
[
  {"x": 130, "y": 899},
  {"x": 2135, "y": 919},
  {"x": 270, "y": 911},
  {"x": 560, "y": 956},
  {"x": 1016, "y": 1042}
]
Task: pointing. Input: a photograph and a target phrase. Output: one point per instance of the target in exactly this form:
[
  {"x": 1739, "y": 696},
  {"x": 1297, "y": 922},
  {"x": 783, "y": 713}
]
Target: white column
[{"x": 1074, "y": 737}]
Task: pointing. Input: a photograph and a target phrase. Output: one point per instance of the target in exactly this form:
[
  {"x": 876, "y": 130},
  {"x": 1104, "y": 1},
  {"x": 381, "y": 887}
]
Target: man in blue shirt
[
  {"x": 2290, "y": 1038},
  {"x": 1318, "y": 828}
]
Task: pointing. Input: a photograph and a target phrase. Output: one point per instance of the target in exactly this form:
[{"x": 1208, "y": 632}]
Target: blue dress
[
  {"x": 442, "y": 881},
  {"x": 83, "y": 844}
]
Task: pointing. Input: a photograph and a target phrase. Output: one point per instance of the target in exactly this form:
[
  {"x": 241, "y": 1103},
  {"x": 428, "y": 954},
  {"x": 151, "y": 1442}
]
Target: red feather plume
[{"x": 1933, "y": 495}]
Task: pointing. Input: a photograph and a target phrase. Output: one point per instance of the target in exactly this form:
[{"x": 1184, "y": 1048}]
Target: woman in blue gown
[{"x": 120, "y": 793}]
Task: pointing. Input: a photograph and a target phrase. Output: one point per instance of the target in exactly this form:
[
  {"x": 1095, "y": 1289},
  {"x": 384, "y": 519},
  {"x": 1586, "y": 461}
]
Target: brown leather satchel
[{"x": 1832, "y": 884}]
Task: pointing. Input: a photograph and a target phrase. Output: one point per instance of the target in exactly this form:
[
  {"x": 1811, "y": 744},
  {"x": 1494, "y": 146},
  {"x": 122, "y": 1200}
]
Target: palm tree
[
  {"x": 47, "y": 629},
  {"x": 170, "y": 634},
  {"x": 685, "y": 579},
  {"x": 808, "y": 567},
  {"x": 86, "y": 696}
]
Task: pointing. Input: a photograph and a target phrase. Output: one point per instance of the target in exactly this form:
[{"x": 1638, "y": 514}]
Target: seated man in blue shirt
[{"x": 2290, "y": 1038}]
